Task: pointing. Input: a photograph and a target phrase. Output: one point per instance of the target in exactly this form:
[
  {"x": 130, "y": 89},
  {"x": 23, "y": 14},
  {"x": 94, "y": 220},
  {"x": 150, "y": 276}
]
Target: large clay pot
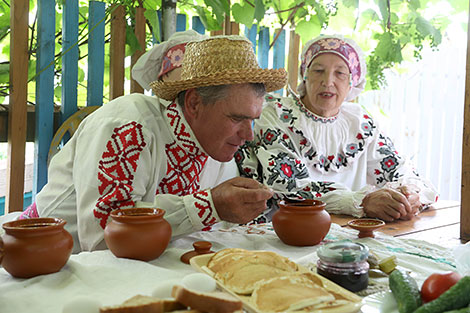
[
  {"x": 137, "y": 233},
  {"x": 35, "y": 246},
  {"x": 302, "y": 222}
]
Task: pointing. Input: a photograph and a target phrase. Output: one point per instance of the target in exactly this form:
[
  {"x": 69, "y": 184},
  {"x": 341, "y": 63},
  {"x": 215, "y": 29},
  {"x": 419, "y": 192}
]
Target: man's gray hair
[{"x": 212, "y": 94}]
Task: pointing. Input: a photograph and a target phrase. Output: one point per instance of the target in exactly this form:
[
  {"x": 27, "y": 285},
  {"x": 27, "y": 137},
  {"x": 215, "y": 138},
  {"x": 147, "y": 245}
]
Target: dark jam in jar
[{"x": 344, "y": 263}]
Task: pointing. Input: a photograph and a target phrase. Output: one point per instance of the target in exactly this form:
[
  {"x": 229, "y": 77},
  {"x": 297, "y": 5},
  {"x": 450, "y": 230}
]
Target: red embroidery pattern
[
  {"x": 185, "y": 159},
  {"x": 116, "y": 170},
  {"x": 204, "y": 208}
]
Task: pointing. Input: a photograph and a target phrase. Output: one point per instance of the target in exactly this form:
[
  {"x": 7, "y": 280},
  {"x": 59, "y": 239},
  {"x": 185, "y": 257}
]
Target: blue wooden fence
[{"x": 96, "y": 54}]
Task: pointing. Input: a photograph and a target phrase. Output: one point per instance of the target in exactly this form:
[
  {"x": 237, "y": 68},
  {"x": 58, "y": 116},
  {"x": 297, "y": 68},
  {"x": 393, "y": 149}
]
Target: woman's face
[{"x": 326, "y": 84}]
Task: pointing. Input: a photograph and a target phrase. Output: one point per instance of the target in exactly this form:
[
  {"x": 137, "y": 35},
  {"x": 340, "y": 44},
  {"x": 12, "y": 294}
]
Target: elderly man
[{"x": 138, "y": 151}]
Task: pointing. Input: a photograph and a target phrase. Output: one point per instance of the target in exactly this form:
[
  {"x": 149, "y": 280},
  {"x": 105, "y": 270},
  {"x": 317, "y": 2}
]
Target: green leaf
[
  {"x": 243, "y": 14},
  {"x": 152, "y": 17},
  {"x": 414, "y": 4},
  {"x": 351, "y": 3},
  {"x": 81, "y": 74},
  {"x": 308, "y": 29},
  {"x": 383, "y": 11},
  {"x": 131, "y": 40},
  {"x": 58, "y": 92},
  {"x": 388, "y": 50},
  {"x": 207, "y": 20},
  {"x": 4, "y": 72},
  {"x": 259, "y": 10},
  {"x": 219, "y": 7}
]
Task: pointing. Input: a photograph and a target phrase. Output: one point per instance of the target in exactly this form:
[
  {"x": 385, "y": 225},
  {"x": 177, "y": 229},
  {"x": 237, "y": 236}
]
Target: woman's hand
[
  {"x": 388, "y": 205},
  {"x": 412, "y": 195}
]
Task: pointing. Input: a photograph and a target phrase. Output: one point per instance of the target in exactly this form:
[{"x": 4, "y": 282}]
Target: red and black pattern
[
  {"x": 116, "y": 170},
  {"x": 204, "y": 208},
  {"x": 185, "y": 160}
]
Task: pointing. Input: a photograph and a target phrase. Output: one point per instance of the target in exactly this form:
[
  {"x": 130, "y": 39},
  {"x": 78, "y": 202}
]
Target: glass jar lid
[{"x": 343, "y": 252}]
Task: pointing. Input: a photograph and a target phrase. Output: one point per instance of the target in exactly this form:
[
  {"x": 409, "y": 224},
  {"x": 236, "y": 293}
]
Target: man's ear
[{"x": 192, "y": 103}]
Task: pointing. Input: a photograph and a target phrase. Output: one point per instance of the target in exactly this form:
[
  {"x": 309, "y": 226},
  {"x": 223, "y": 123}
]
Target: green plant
[{"x": 389, "y": 31}]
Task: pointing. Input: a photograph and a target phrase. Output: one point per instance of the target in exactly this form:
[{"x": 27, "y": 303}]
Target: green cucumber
[
  {"x": 405, "y": 290},
  {"x": 464, "y": 310},
  {"x": 457, "y": 297}
]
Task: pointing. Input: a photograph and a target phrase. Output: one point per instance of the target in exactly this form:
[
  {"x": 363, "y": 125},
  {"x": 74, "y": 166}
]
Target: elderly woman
[{"x": 318, "y": 145}]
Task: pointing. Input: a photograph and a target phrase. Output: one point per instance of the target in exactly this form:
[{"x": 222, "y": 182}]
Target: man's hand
[
  {"x": 388, "y": 205},
  {"x": 240, "y": 200}
]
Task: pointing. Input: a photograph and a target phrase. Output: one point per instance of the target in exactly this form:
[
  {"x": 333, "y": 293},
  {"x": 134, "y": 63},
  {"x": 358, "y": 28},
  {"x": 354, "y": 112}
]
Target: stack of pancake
[{"x": 271, "y": 282}]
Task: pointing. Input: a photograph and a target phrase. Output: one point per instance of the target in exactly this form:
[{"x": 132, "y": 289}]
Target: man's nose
[{"x": 246, "y": 131}]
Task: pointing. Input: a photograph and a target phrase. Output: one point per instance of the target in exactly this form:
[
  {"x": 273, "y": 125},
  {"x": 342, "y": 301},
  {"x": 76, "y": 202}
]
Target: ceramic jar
[
  {"x": 35, "y": 246},
  {"x": 137, "y": 233},
  {"x": 301, "y": 222},
  {"x": 344, "y": 263}
]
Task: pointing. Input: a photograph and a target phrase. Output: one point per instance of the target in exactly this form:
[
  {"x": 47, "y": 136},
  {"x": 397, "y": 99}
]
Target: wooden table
[{"x": 440, "y": 224}]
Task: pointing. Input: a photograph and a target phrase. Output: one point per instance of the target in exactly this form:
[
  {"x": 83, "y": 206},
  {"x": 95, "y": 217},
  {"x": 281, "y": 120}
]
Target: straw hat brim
[{"x": 273, "y": 79}]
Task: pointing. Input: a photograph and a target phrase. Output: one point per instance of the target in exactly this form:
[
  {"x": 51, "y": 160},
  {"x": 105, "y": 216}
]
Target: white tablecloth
[{"x": 109, "y": 280}]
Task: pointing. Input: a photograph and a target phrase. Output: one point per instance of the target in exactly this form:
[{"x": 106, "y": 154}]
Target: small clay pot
[
  {"x": 301, "y": 222},
  {"x": 200, "y": 247},
  {"x": 366, "y": 226},
  {"x": 137, "y": 233},
  {"x": 35, "y": 246}
]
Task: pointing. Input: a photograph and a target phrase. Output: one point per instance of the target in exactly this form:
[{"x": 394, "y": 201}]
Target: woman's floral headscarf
[{"x": 347, "y": 49}]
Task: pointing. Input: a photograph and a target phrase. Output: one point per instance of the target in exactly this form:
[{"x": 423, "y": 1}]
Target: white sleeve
[{"x": 387, "y": 168}]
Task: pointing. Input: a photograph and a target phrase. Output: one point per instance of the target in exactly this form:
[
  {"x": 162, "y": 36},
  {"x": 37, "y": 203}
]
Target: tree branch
[{"x": 291, "y": 16}]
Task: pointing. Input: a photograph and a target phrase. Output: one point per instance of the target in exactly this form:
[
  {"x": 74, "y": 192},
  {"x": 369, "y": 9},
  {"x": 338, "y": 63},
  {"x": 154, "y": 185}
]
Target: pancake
[{"x": 289, "y": 293}]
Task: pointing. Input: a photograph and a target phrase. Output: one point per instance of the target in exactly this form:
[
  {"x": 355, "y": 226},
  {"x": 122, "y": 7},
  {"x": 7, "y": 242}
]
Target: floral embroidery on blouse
[
  {"x": 116, "y": 170},
  {"x": 389, "y": 164}
]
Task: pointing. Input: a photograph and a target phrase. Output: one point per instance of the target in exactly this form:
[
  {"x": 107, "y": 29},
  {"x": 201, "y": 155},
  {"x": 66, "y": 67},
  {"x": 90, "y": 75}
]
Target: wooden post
[
  {"x": 465, "y": 194},
  {"x": 19, "y": 57},
  {"x": 69, "y": 61},
  {"x": 235, "y": 28},
  {"x": 293, "y": 60},
  {"x": 140, "y": 34},
  {"x": 44, "y": 107},
  {"x": 168, "y": 18},
  {"x": 117, "y": 52},
  {"x": 96, "y": 18}
]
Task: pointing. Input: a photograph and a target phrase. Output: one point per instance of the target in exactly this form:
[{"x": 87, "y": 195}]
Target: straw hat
[{"x": 220, "y": 60}]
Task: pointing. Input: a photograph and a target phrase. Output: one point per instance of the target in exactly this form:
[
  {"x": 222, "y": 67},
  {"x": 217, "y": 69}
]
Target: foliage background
[{"x": 389, "y": 31}]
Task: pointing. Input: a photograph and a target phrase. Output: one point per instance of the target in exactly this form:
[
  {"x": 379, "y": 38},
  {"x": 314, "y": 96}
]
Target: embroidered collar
[
  {"x": 181, "y": 131},
  {"x": 312, "y": 115}
]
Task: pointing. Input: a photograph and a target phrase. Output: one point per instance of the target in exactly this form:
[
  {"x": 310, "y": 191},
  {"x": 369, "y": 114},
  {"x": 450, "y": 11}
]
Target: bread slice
[
  {"x": 144, "y": 304},
  {"x": 211, "y": 302}
]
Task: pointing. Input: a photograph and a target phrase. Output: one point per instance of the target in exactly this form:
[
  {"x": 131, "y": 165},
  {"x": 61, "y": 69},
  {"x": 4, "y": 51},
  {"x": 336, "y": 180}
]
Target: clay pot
[
  {"x": 200, "y": 247},
  {"x": 301, "y": 222},
  {"x": 35, "y": 246},
  {"x": 137, "y": 233}
]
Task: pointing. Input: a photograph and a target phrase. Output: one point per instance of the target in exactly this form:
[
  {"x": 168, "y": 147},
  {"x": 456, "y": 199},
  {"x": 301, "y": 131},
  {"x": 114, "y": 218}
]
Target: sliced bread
[
  {"x": 144, "y": 304},
  {"x": 211, "y": 302}
]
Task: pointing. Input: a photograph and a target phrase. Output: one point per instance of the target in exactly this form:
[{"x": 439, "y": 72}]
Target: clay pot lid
[
  {"x": 366, "y": 226},
  {"x": 200, "y": 247}
]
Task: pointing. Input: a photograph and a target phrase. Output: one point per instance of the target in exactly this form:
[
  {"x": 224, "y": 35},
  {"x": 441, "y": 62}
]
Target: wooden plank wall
[
  {"x": 97, "y": 16},
  {"x": 19, "y": 57},
  {"x": 44, "y": 108},
  {"x": 465, "y": 195}
]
